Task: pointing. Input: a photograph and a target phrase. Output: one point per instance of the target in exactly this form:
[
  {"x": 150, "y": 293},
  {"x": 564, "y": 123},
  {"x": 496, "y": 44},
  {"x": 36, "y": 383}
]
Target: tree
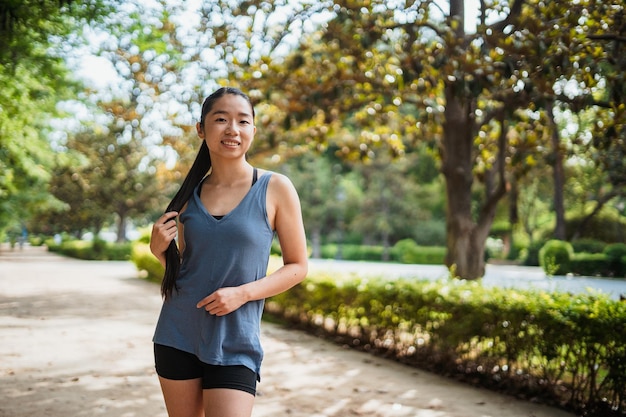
[
  {"x": 401, "y": 70},
  {"x": 34, "y": 36},
  {"x": 112, "y": 179}
]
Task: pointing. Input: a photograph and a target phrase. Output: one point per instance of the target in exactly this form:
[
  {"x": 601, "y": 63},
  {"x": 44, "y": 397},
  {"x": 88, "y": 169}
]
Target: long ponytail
[{"x": 198, "y": 170}]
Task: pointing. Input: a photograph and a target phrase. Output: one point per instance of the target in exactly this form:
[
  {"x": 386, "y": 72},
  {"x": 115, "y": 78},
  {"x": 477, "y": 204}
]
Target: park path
[{"x": 75, "y": 342}]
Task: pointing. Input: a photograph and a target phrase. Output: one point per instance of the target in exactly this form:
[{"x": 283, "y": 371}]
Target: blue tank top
[{"x": 225, "y": 252}]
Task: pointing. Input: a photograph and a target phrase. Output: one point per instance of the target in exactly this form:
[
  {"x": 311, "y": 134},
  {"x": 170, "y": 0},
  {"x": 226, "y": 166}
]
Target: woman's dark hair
[{"x": 198, "y": 170}]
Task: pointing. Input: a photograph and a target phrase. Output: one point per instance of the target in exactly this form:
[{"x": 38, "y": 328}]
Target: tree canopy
[
  {"x": 374, "y": 88},
  {"x": 34, "y": 77}
]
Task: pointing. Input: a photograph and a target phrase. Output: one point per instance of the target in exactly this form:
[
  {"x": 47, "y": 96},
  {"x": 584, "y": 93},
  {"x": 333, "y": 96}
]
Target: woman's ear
[{"x": 200, "y": 130}]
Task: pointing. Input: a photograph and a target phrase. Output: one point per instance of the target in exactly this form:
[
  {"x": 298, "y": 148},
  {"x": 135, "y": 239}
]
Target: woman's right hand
[{"x": 163, "y": 232}]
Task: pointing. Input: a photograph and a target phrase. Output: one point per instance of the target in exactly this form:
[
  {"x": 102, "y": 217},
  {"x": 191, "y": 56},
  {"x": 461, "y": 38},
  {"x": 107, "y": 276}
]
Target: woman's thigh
[
  {"x": 183, "y": 398},
  {"x": 224, "y": 402}
]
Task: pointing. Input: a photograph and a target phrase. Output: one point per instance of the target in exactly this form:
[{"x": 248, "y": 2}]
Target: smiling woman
[{"x": 207, "y": 340}]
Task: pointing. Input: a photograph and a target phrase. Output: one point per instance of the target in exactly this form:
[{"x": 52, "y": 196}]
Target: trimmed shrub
[
  {"x": 97, "y": 250},
  {"x": 408, "y": 252},
  {"x": 591, "y": 264},
  {"x": 145, "y": 261},
  {"x": 615, "y": 252},
  {"x": 555, "y": 256},
  {"x": 588, "y": 245},
  {"x": 553, "y": 347}
]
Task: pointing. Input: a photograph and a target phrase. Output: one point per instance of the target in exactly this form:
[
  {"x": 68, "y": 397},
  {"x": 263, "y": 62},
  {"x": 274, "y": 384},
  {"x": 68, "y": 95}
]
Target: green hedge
[
  {"x": 591, "y": 264},
  {"x": 558, "y": 258},
  {"x": 560, "y": 349},
  {"x": 408, "y": 252},
  {"x": 97, "y": 250},
  {"x": 404, "y": 251},
  {"x": 352, "y": 252},
  {"x": 146, "y": 262},
  {"x": 587, "y": 245}
]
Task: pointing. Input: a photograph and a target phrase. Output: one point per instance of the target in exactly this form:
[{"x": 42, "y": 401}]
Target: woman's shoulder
[{"x": 277, "y": 180}]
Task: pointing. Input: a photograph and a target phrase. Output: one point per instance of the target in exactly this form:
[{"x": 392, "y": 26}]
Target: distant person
[
  {"x": 207, "y": 339},
  {"x": 23, "y": 237}
]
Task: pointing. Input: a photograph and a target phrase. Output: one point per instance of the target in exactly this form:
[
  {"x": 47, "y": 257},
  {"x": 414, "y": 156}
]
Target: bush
[
  {"x": 431, "y": 233},
  {"x": 408, "y": 252},
  {"x": 591, "y": 264},
  {"x": 554, "y": 257},
  {"x": 588, "y": 245},
  {"x": 97, "y": 250},
  {"x": 532, "y": 254},
  {"x": 557, "y": 348},
  {"x": 352, "y": 252},
  {"x": 615, "y": 253},
  {"x": 145, "y": 261},
  {"x": 362, "y": 252}
]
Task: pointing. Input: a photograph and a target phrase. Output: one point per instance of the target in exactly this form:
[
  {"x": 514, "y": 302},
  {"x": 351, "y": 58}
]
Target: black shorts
[{"x": 176, "y": 364}]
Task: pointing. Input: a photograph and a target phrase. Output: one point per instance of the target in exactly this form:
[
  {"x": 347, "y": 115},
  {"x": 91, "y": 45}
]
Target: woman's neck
[{"x": 228, "y": 174}]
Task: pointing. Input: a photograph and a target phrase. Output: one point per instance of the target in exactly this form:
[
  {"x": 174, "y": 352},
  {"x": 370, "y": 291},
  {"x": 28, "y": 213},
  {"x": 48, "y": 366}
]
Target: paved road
[
  {"x": 75, "y": 342},
  {"x": 507, "y": 276}
]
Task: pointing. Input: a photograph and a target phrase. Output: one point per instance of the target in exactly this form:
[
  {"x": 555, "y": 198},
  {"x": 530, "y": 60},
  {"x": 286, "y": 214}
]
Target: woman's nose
[{"x": 231, "y": 128}]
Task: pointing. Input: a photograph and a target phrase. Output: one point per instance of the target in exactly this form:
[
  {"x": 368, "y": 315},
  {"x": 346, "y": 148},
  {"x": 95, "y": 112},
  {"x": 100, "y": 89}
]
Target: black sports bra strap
[{"x": 254, "y": 176}]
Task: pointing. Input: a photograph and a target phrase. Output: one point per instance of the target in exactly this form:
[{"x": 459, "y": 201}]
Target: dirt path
[{"x": 75, "y": 342}]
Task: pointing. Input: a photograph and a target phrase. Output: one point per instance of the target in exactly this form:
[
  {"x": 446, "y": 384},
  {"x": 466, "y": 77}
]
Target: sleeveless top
[{"x": 219, "y": 252}]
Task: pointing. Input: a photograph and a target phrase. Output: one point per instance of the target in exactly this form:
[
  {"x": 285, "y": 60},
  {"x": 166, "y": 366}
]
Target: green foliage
[
  {"x": 557, "y": 348},
  {"x": 275, "y": 249},
  {"x": 98, "y": 250},
  {"x": 555, "y": 256},
  {"x": 532, "y": 253},
  {"x": 100, "y": 175},
  {"x": 616, "y": 253},
  {"x": 592, "y": 264},
  {"x": 607, "y": 226},
  {"x": 588, "y": 245},
  {"x": 408, "y": 252},
  {"x": 33, "y": 39},
  {"x": 145, "y": 261},
  {"x": 352, "y": 252},
  {"x": 430, "y": 233}
]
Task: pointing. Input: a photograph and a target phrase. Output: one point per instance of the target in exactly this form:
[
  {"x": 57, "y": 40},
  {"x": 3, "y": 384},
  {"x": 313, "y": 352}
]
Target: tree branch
[
  {"x": 608, "y": 37},
  {"x": 488, "y": 210}
]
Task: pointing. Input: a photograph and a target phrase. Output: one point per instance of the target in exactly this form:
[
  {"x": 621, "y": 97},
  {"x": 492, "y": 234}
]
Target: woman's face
[{"x": 228, "y": 128}]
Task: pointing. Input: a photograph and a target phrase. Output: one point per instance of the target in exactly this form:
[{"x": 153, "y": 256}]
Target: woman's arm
[{"x": 285, "y": 214}]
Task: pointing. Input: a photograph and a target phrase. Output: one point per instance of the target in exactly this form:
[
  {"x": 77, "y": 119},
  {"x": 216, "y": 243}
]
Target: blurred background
[{"x": 446, "y": 132}]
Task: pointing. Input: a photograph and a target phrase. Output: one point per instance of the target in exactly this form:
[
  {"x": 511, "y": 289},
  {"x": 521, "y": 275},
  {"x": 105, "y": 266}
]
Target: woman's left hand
[{"x": 223, "y": 301}]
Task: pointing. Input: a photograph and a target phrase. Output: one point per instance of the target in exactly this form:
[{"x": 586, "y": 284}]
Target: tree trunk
[
  {"x": 121, "y": 229},
  {"x": 558, "y": 175},
  {"x": 511, "y": 253},
  {"x": 464, "y": 250},
  {"x": 465, "y": 237}
]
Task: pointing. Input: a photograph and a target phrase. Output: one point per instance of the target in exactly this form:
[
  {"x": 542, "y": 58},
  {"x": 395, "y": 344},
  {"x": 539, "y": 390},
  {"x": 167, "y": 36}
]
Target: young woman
[{"x": 207, "y": 348}]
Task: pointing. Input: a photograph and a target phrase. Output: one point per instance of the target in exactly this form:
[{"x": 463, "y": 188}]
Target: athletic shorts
[{"x": 176, "y": 364}]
